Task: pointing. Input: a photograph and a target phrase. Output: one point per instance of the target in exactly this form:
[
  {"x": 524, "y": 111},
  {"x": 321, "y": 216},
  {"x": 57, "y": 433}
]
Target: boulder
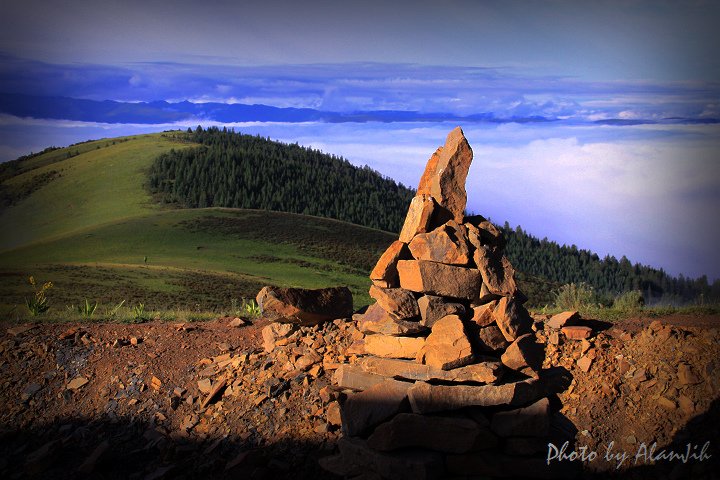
[
  {"x": 497, "y": 273},
  {"x": 441, "y": 434},
  {"x": 446, "y": 244},
  {"x": 396, "y": 301},
  {"x": 483, "y": 372},
  {"x": 562, "y": 319},
  {"x": 433, "y": 308},
  {"x": 363, "y": 411},
  {"x": 418, "y": 217},
  {"x": 305, "y": 307},
  {"x": 425, "y": 398},
  {"x": 393, "y": 347},
  {"x": 512, "y": 318},
  {"x": 386, "y": 268},
  {"x": 438, "y": 279},
  {"x": 447, "y": 346},
  {"x": 377, "y": 320},
  {"x": 524, "y": 355},
  {"x": 530, "y": 421},
  {"x": 446, "y": 172}
]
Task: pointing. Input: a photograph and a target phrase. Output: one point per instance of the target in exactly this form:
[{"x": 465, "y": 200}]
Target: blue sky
[{"x": 646, "y": 187}]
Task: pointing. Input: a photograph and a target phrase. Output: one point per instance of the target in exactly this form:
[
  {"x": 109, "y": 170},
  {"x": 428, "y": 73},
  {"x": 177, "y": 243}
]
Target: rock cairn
[{"x": 448, "y": 383}]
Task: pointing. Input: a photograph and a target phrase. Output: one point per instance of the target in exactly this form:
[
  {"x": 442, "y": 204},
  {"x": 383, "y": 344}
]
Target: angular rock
[
  {"x": 433, "y": 308},
  {"x": 363, "y": 411},
  {"x": 447, "y": 346},
  {"x": 491, "y": 235},
  {"x": 386, "y": 268},
  {"x": 272, "y": 332},
  {"x": 484, "y": 372},
  {"x": 355, "y": 377},
  {"x": 491, "y": 339},
  {"x": 530, "y": 421},
  {"x": 441, "y": 434},
  {"x": 483, "y": 315},
  {"x": 686, "y": 375},
  {"x": 438, "y": 279},
  {"x": 524, "y": 355},
  {"x": 498, "y": 275},
  {"x": 393, "y": 347},
  {"x": 418, "y": 217},
  {"x": 333, "y": 414},
  {"x": 561, "y": 319},
  {"x": 77, "y": 382},
  {"x": 446, "y": 172},
  {"x": 405, "y": 465},
  {"x": 486, "y": 296},
  {"x": 425, "y": 398},
  {"x": 377, "y": 320},
  {"x": 512, "y": 318},
  {"x": 584, "y": 363},
  {"x": 397, "y": 301},
  {"x": 577, "y": 332},
  {"x": 305, "y": 306},
  {"x": 446, "y": 244}
]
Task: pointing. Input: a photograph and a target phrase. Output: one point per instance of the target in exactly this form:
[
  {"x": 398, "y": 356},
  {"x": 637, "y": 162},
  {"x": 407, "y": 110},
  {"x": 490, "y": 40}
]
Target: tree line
[{"x": 244, "y": 171}]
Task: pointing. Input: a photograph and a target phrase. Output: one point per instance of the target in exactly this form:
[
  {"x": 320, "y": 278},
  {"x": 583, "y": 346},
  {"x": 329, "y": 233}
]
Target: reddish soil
[{"x": 141, "y": 413}]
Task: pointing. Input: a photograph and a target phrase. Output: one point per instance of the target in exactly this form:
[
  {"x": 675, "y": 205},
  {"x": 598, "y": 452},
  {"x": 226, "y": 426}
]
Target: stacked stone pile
[{"x": 449, "y": 381}]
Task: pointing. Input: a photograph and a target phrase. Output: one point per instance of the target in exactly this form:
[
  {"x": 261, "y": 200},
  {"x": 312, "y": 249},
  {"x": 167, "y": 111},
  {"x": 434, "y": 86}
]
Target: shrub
[
  {"x": 629, "y": 302},
  {"x": 572, "y": 296},
  {"x": 39, "y": 303},
  {"x": 251, "y": 308},
  {"x": 87, "y": 309}
]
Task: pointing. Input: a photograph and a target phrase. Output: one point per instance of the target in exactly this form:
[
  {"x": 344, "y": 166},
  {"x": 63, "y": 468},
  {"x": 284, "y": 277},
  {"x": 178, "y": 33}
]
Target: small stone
[
  {"x": 686, "y": 405},
  {"x": 686, "y": 375},
  {"x": 214, "y": 391},
  {"x": 483, "y": 315},
  {"x": 77, "y": 382},
  {"x": 666, "y": 403},
  {"x": 237, "y": 322},
  {"x": 577, "y": 332},
  {"x": 333, "y": 414},
  {"x": 584, "y": 363},
  {"x": 561, "y": 319},
  {"x": 205, "y": 385},
  {"x": 155, "y": 383}
]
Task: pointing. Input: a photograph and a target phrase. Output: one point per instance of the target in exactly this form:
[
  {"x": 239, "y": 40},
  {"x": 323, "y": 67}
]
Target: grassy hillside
[{"x": 93, "y": 230}]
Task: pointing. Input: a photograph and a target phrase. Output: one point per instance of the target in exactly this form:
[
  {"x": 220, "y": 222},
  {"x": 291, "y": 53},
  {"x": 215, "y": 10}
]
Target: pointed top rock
[{"x": 446, "y": 172}]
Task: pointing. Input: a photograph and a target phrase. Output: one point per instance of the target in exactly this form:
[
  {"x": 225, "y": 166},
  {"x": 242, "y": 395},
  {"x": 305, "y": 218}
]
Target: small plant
[
  {"x": 629, "y": 302},
  {"x": 39, "y": 303},
  {"x": 234, "y": 308},
  {"x": 138, "y": 312},
  {"x": 572, "y": 296},
  {"x": 113, "y": 311},
  {"x": 87, "y": 309},
  {"x": 251, "y": 308}
]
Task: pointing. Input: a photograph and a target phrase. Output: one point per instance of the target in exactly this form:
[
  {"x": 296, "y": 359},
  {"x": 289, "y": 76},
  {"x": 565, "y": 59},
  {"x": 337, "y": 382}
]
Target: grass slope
[{"x": 95, "y": 233}]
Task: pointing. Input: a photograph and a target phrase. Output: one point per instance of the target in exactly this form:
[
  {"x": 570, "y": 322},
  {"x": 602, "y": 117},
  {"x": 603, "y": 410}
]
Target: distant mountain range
[{"x": 161, "y": 112}]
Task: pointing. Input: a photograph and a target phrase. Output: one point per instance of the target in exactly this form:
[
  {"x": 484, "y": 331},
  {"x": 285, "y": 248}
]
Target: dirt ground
[{"x": 204, "y": 400}]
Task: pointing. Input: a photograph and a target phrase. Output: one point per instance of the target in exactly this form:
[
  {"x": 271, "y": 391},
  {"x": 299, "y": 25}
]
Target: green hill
[{"x": 93, "y": 229}]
